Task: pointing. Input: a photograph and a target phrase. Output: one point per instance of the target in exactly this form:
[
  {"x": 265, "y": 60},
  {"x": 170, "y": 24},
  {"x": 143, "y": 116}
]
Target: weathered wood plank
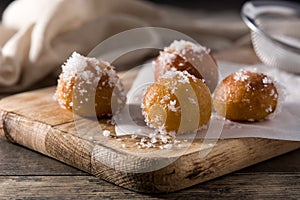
[
  {"x": 237, "y": 186},
  {"x": 49, "y": 111},
  {"x": 287, "y": 163},
  {"x": 17, "y": 160}
]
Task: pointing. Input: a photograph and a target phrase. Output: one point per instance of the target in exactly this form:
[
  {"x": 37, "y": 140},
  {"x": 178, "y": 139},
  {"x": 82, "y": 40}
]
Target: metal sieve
[{"x": 275, "y": 32}]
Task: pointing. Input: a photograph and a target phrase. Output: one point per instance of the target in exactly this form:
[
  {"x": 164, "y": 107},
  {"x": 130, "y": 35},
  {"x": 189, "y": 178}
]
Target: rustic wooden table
[{"x": 27, "y": 174}]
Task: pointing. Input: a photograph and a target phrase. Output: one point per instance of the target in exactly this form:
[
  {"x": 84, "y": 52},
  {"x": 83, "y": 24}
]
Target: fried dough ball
[
  {"x": 178, "y": 102},
  {"x": 187, "y": 56},
  {"x": 246, "y": 96},
  {"x": 89, "y": 87}
]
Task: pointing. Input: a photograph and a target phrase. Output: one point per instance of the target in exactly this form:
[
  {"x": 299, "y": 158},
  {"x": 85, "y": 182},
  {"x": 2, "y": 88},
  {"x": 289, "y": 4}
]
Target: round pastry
[
  {"x": 246, "y": 96},
  {"x": 178, "y": 102},
  {"x": 183, "y": 55},
  {"x": 89, "y": 87}
]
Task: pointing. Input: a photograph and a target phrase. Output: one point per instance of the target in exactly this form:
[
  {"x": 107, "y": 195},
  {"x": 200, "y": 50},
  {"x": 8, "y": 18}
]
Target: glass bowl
[{"x": 275, "y": 32}]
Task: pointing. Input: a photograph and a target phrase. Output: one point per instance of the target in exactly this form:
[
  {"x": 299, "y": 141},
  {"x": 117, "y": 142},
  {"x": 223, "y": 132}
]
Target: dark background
[
  {"x": 213, "y": 5},
  {"x": 3, "y": 4},
  {"x": 210, "y": 5}
]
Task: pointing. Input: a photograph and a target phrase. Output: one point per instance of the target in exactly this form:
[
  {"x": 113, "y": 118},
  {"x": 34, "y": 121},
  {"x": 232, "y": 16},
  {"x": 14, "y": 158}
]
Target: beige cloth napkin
[{"x": 36, "y": 37}]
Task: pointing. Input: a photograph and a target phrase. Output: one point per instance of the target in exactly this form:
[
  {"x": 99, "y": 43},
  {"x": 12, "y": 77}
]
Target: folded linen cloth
[{"x": 36, "y": 37}]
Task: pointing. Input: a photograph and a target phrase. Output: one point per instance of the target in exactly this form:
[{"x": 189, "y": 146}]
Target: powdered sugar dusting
[
  {"x": 76, "y": 65},
  {"x": 280, "y": 96},
  {"x": 166, "y": 58},
  {"x": 240, "y": 76},
  {"x": 180, "y": 46},
  {"x": 166, "y": 101},
  {"x": 83, "y": 72},
  {"x": 255, "y": 83},
  {"x": 181, "y": 76},
  {"x": 187, "y": 51}
]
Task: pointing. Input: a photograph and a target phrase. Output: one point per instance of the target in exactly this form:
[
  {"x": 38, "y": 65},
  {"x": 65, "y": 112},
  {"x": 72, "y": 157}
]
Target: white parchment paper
[{"x": 284, "y": 126}]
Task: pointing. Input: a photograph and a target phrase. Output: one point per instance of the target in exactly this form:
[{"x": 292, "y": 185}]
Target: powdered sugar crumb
[
  {"x": 158, "y": 139},
  {"x": 267, "y": 80},
  {"x": 106, "y": 133},
  {"x": 240, "y": 76},
  {"x": 171, "y": 106}
]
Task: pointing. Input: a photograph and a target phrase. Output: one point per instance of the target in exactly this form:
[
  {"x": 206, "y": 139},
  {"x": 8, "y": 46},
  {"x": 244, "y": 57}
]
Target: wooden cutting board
[{"x": 34, "y": 120}]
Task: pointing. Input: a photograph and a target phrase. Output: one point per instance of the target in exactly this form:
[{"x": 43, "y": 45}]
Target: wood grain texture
[
  {"x": 235, "y": 186},
  {"x": 246, "y": 183},
  {"x": 287, "y": 163},
  {"x": 34, "y": 120},
  {"x": 16, "y": 160}
]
